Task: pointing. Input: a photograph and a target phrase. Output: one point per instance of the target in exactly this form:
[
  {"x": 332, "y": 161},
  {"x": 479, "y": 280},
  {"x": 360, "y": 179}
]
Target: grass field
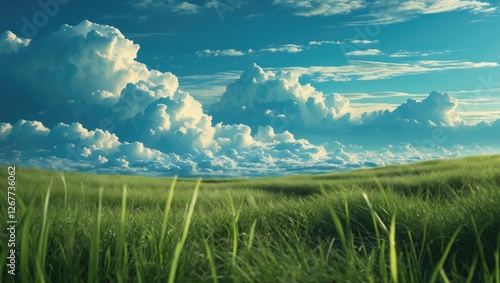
[{"x": 435, "y": 221}]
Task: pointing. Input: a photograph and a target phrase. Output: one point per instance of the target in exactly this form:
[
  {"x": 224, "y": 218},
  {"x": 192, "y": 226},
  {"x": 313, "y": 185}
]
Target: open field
[{"x": 434, "y": 221}]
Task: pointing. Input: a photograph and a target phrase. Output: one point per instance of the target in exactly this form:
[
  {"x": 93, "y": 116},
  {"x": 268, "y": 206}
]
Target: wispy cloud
[
  {"x": 289, "y": 48},
  {"x": 295, "y": 48},
  {"x": 130, "y": 17},
  {"x": 147, "y": 4},
  {"x": 226, "y": 52},
  {"x": 368, "y": 52},
  {"x": 253, "y": 16},
  {"x": 308, "y": 8},
  {"x": 286, "y": 48},
  {"x": 382, "y": 12},
  {"x": 404, "y": 54},
  {"x": 375, "y": 70},
  {"x": 186, "y": 8},
  {"x": 395, "y": 11},
  {"x": 440, "y": 6},
  {"x": 324, "y": 42},
  {"x": 364, "y": 41},
  {"x": 173, "y": 6}
]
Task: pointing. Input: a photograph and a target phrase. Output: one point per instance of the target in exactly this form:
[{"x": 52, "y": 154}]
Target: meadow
[{"x": 433, "y": 221}]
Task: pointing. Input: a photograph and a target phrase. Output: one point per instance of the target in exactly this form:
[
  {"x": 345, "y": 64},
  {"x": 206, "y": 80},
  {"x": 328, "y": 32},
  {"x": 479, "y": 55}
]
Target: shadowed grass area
[{"x": 434, "y": 221}]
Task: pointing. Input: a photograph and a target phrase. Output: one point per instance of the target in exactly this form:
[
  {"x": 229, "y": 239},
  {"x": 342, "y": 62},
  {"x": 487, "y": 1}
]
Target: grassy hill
[{"x": 434, "y": 221}]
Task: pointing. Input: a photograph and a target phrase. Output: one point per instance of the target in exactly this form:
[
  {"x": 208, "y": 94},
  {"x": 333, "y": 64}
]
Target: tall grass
[
  {"x": 429, "y": 222},
  {"x": 182, "y": 241}
]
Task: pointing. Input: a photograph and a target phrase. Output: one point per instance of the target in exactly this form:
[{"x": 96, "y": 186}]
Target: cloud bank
[{"x": 79, "y": 100}]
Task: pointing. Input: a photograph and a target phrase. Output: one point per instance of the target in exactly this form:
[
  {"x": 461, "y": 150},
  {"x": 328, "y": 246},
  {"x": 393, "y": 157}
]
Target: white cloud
[
  {"x": 235, "y": 151},
  {"x": 404, "y": 54},
  {"x": 432, "y": 7},
  {"x": 10, "y": 43},
  {"x": 289, "y": 48},
  {"x": 94, "y": 65},
  {"x": 180, "y": 7},
  {"x": 223, "y": 4},
  {"x": 383, "y": 13},
  {"x": 260, "y": 98},
  {"x": 375, "y": 70},
  {"x": 436, "y": 109},
  {"x": 171, "y": 6},
  {"x": 186, "y": 8},
  {"x": 147, "y": 4},
  {"x": 308, "y": 8},
  {"x": 175, "y": 124},
  {"x": 226, "y": 52},
  {"x": 5, "y": 130},
  {"x": 367, "y": 52},
  {"x": 286, "y": 48},
  {"x": 364, "y": 41},
  {"x": 325, "y": 42},
  {"x": 25, "y": 128}
]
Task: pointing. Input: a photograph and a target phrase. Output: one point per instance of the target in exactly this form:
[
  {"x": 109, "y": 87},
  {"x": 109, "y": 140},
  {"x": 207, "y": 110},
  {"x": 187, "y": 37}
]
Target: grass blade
[
  {"x": 251, "y": 235},
  {"x": 42, "y": 243},
  {"x": 180, "y": 244},
  {"x": 472, "y": 269},
  {"x": 339, "y": 228},
  {"x": 441, "y": 262},
  {"x": 166, "y": 215},
  {"x": 382, "y": 224},
  {"x": 25, "y": 245},
  {"x": 392, "y": 251},
  {"x": 122, "y": 260},
  {"x": 443, "y": 276},
  {"x": 93, "y": 273},
  {"x": 65, "y": 189},
  {"x": 213, "y": 270}
]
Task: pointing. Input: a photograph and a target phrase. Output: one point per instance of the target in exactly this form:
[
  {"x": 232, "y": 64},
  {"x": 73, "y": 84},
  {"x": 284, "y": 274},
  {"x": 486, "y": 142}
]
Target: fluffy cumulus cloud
[
  {"x": 277, "y": 99},
  {"x": 437, "y": 109},
  {"x": 10, "y": 43},
  {"x": 5, "y": 130},
  {"x": 79, "y": 100},
  {"x": 85, "y": 64}
]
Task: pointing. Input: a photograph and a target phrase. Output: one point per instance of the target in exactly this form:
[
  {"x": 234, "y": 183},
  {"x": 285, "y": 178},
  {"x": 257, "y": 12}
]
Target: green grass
[{"x": 434, "y": 221}]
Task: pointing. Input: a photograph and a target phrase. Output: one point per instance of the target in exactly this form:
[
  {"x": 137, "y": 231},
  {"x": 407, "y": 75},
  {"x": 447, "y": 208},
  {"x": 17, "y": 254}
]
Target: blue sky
[{"x": 231, "y": 88}]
